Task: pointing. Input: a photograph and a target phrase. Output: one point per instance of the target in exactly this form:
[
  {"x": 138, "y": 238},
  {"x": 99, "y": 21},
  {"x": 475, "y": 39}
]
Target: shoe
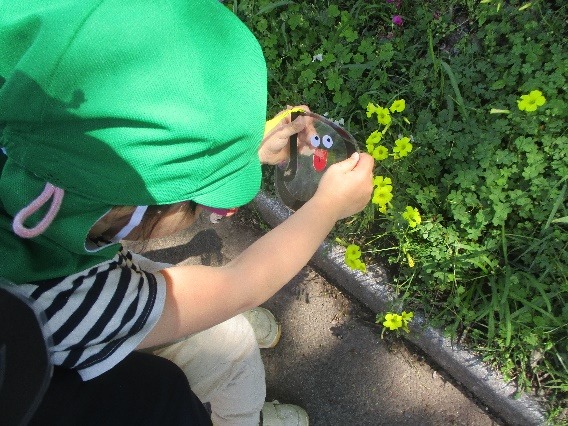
[
  {"x": 276, "y": 414},
  {"x": 266, "y": 329}
]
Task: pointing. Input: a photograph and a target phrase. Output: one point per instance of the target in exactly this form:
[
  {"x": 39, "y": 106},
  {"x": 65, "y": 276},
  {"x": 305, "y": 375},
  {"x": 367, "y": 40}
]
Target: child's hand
[
  {"x": 347, "y": 186},
  {"x": 274, "y": 148}
]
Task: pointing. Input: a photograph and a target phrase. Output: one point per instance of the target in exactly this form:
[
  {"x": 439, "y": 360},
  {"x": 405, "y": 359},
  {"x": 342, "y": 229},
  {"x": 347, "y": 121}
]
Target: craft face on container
[{"x": 321, "y": 144}]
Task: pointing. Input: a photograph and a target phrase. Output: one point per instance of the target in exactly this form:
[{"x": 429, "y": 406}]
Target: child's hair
[
  {"x": 151, "y": 218},
  {"x": 155, "y": 213}
]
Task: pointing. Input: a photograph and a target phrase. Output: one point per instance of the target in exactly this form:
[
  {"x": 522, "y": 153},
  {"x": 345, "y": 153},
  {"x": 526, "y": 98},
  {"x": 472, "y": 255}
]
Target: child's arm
[{"x": 199, "y": 297}]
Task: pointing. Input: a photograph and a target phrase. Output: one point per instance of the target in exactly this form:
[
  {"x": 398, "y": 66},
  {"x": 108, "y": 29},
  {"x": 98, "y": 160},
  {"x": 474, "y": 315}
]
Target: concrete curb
[{"x": 370, "y": 289}]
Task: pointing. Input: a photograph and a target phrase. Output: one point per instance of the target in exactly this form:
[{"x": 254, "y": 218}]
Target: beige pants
[{"x": 223, "y": 366}]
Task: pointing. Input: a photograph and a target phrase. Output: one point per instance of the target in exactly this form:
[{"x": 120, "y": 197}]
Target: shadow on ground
[{"x": 331, "y": 359}]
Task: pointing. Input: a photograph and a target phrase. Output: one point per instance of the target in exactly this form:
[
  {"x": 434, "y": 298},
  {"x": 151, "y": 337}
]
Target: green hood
[{"x": 122, "y": 102}]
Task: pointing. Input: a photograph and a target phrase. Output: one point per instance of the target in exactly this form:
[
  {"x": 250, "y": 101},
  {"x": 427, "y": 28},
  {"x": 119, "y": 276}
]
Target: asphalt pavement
[{"x": 331, "y": 358}]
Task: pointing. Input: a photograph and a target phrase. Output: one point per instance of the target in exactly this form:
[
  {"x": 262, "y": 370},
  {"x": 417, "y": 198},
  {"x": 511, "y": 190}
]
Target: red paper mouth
[{"x": 320, "y": 159}]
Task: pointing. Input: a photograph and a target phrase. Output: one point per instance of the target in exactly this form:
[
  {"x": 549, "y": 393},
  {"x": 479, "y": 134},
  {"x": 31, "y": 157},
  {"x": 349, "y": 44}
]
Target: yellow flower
[
  {"x": 531, "y": 101},
  {"x": 371, "y": 109},
  {"x": 374, "y": 137},
  {"x": 410, "y": 260},
  {"x": 382, "y": 195},
  {"x": 382, "y": 181},
  {"x": 380, "y": 153},
  {"x": 356, "y": 264},
  {"x": 353, "y": 251},
  {"x": 412, "y": 215},
  {"x": 383, "y": 116},
  {"x": 352, "y": 258},
  {"x": 383, "y": 192},
  {"x": 402, "y": 147},
  {"x": 407, "y": 316},
  {"x": 392, "y": 321},
  {"x": 398, "y": 106}
]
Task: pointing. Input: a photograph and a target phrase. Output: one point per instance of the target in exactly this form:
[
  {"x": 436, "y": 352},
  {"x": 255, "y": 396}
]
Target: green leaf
[
  {"x": 262, "y": 25},
  {"x": 270, "y": 7},
  {"x": 386, "y": 52},
  {"x": 342, "y": 98},
  {"x": 295, "y": 21},
  {"x": 349, "y": 34},
  {"x": 333, "y": 11},
  {"x": 499, "y": 84},
  {"x": 557, "y": 203},
  {"x": 333, "y": 81},
  {"x": 457, "y": 92}
]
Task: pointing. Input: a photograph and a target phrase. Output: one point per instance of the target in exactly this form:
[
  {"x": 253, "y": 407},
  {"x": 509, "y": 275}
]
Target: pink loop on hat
[{"x": 48, "y": 192}]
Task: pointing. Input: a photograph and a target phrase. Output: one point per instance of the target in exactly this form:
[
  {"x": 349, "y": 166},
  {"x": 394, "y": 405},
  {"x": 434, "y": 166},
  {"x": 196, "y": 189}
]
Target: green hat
[{"x": 122, "y": 102}]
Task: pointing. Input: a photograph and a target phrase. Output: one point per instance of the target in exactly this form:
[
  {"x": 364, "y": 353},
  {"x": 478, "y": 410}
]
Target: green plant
[{"x": 488, "y": 259}]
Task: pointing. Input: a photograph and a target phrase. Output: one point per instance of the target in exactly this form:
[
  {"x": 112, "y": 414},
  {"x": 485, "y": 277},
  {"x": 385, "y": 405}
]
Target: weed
[{"x": 481, "y": 158}]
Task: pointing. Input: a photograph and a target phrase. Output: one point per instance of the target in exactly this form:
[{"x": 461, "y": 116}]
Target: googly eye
[
  {"x": 327, "y": 141},
  {"x": 315, "y": 141}
]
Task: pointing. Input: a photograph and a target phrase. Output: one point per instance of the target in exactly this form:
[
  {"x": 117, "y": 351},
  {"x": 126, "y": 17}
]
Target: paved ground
[{"x": 331, "y": 359}]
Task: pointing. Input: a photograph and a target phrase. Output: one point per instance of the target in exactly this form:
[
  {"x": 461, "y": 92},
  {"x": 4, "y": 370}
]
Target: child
[{"x": 120, "y": 119}]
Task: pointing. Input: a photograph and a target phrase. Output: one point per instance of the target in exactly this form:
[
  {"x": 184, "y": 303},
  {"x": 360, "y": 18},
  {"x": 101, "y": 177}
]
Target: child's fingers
[
  {"x": 292, "y": 128},
  {"x": 348, "y": 184},
  {"x": 365, "y": 164},
  {"x": 357, "y": 162},
  {"x": 349, "y": 163}
]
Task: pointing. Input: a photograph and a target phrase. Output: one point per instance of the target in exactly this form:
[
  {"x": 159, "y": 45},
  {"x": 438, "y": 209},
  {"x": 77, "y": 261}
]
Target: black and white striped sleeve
[{"x": 95, "y": 318}]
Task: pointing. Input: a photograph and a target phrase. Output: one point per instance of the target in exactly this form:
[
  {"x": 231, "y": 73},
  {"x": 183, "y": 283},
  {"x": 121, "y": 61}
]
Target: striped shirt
[{"x": 96, "y": 317}]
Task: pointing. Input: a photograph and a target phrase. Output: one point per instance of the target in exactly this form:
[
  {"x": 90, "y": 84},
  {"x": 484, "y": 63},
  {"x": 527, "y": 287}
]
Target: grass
[{"x": 490, "y": 257}]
